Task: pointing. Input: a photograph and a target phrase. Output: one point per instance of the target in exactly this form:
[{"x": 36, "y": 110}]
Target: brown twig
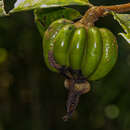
[
  {"x": 118, "y": 8},
  {"x": 93, "y": 14}
]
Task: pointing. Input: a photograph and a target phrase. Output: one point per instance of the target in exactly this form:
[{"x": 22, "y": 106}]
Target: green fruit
[
  {"x": 77, "y": 47},
  {"x": 49, "y": 37},
  {"x": 92, "y": 52},
  {"x": 61, "y": 44},
  {"x": 109, "y": 55}
]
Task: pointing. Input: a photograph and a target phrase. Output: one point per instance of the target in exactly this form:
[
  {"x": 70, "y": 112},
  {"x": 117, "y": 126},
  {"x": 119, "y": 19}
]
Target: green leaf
[
  {"x": 22, "y": 5},
  {"x": 2, "y": 11},
  {"x": 124, "y": 21},
  {"x": 44, "y": 17}
]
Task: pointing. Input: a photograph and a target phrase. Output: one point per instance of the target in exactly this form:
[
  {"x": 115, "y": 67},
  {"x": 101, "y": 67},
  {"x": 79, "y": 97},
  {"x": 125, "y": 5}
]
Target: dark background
[{"x": 32, "y": 97}]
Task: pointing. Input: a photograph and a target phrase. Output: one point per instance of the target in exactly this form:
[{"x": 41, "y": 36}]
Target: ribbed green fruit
[
  {"x": 93, "y": 52},
  {"x": 49, "y": 37},
  {"x": 109, "y": 55},
  {"x": 62, "y": 43}
]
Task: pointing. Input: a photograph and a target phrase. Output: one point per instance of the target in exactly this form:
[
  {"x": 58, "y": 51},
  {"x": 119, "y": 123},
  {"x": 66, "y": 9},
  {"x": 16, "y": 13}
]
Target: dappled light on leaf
[{"x": 22, "y": 5}]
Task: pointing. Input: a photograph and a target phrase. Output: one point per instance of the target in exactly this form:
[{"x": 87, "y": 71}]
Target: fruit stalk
[
  {"x": 75, "y": 91},
  {"x": 72, "y": 102}
]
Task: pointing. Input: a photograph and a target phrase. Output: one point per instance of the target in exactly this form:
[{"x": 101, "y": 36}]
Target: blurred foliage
[
  {"x": 32, "y": 97},
  {"x": 44, "y": 17},
  {"x": 9, "y": 4}
]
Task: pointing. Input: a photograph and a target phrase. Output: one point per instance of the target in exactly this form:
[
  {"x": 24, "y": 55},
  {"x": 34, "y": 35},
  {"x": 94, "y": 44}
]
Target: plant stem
[
  {"x": 118, "y": 8},
  {"x": 75, "y": 91},
  {"x": 93, "y": 14}
]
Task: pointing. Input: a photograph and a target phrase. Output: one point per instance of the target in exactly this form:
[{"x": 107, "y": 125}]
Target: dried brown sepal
[{"x": 82, "y": 87}]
